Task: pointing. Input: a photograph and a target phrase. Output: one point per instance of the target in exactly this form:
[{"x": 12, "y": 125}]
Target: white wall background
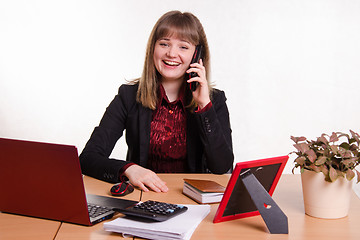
[{"x": 288, "y": 67}]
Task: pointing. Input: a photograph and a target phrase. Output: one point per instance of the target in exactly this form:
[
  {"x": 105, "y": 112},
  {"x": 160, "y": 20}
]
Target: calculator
[{"x": 154, "y": 210}]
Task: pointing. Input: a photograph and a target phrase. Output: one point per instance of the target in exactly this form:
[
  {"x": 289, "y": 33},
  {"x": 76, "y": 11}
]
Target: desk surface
[
  {"x": 288, "y": 196},
  {"x": 15, "y": 227}
]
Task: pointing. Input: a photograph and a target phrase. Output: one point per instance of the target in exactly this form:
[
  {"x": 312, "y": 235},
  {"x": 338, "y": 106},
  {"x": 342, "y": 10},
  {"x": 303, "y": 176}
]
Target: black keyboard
[
  {"x": 95, "y": 210},
  {"x": 158, "y": 211}
]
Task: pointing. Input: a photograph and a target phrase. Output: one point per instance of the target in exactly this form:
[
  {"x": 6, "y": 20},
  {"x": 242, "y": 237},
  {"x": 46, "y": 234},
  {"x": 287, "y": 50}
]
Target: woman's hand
[
  {"x": 143, "y": 178},
  {"x": 201, "y": 94}
]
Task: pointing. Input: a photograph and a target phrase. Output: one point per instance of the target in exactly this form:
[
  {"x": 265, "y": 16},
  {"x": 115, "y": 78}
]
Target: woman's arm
[
  {"x": 215, "y": 134},
  {"x": 94, "y": 159}
]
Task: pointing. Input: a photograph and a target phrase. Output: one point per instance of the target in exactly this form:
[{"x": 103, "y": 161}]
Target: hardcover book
[{"x": 203, "y": 191}]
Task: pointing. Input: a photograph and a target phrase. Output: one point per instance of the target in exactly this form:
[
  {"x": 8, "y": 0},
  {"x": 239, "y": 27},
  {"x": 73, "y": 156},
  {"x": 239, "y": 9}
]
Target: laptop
[{"x": 44, "y": 180}]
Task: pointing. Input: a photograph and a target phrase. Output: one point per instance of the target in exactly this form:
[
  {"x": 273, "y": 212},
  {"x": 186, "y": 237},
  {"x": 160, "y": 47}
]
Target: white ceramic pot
[{"x": 324, "y": 199}]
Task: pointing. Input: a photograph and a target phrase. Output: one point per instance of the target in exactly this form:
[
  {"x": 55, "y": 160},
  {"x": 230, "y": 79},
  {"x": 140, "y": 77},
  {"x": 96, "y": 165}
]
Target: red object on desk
[{"x": 236, "y": 202}]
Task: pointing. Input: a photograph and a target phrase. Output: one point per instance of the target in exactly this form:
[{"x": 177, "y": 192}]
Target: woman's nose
[{"x": 172, "y": 52}]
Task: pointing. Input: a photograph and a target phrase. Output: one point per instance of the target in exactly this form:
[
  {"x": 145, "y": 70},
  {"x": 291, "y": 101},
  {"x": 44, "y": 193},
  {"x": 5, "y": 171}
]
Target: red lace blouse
[{"x": 167, "y": 149}]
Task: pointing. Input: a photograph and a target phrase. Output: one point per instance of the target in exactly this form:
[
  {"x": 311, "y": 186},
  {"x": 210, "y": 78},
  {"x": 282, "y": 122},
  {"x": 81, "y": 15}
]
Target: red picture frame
[{"x": 236, "y": 202}]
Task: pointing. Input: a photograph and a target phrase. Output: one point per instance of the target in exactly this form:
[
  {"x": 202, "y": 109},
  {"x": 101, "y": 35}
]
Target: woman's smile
[{"x": 171, "y": 63}]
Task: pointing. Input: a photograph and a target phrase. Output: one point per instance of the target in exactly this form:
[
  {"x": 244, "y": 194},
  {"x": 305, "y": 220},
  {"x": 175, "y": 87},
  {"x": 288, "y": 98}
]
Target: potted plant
[{"x": 327, "y": 167}]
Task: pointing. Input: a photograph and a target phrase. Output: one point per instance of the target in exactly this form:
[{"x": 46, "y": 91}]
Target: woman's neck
[{"x": 172, "y": 89}]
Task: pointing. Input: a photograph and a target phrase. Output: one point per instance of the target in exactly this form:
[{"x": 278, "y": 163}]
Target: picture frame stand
[{"x": 275, "y": 219}]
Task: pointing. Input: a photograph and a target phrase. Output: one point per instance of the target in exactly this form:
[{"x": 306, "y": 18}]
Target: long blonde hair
[{"x": 183, "y": 25}]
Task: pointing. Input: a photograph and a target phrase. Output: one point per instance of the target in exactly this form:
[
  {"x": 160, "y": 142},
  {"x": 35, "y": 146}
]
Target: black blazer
[{"x": 208, "y": 137}]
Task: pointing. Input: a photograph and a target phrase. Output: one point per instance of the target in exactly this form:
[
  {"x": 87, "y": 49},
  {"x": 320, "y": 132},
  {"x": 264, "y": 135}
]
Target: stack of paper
[{"x": 178, "y": 227}]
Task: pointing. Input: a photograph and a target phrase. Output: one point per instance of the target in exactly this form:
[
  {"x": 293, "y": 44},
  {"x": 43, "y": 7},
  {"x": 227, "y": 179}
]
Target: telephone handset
[{"x": 195, "y": 59}]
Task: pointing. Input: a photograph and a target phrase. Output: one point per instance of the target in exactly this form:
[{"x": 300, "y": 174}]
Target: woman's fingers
[{"x": 143, "y": 178}]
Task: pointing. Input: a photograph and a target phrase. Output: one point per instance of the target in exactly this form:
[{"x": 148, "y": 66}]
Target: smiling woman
[
  {"x": 169, "y": 128},
  {"x": 184, "y": 27}
]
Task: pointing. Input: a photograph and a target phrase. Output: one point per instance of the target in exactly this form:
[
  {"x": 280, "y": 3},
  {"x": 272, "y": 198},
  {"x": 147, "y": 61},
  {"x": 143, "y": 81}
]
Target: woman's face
[{"x": 172, "y": 57}]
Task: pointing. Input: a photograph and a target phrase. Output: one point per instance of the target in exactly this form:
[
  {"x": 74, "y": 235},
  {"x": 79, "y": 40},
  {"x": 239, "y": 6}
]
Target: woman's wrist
[
  {"x": 203, "y": 104},
  {"x": 205, "y": 108}
]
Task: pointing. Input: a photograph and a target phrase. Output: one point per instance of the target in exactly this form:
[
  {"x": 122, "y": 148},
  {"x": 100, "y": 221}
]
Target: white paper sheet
[{"x": 178, "y": 227}]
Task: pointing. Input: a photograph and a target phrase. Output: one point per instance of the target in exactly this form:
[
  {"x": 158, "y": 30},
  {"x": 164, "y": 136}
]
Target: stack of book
[{"x": 203, "y": 191}]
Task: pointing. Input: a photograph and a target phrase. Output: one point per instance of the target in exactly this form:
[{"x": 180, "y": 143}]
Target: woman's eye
[
  {"x": 184, "y": 47},
  {"x": 163, "y": 44}
]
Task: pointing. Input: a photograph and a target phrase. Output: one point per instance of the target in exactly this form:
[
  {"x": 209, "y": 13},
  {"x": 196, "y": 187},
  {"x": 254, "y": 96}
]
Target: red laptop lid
[{"x": 42, "y": 180}]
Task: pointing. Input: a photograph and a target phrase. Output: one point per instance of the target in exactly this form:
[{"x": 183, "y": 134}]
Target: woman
[{"x": 169, "y": 128}]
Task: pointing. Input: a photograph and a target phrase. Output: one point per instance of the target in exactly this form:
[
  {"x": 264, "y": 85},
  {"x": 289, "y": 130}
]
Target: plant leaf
[
  {"x": 340, "y": 173},
  {"x": 298, "y": 139},
  {"x": 348, "y": 154},
  {"x": 321, "y": 160},
  {"x": 334, "y": 149},
  {"x": 332, "y": 174},
  {"x": 345, "y": 145},
  {"x": 301, "y": 147},
  {"x": 300, "y": 160},
  {"x": 311, "y": 155},
  {"x": 293, "y": 138},
  {"x": 315, "y": 168},
  {"x": 349, "y": 162},
  {"x": 353, "y": 147},
  {"x": 323, "y": 139},
  {"x": 358, "y": 176},
  {"x": 324, "y": 169},
  {"x": 355, "y": 136},
  {"x": 334, "y": 137},
  {"x": 350, "y": 174}
]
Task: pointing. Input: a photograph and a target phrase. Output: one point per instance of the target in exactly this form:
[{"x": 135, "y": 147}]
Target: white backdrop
[{"x": 288, "y": 67}]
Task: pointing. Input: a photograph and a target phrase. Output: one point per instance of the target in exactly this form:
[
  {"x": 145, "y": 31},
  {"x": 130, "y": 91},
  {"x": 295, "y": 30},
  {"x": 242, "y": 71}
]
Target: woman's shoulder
[
  {"x": 128, "y": 88},
  {"x": 218, "y": 95},
  {"x": 127, "y": 93}
]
